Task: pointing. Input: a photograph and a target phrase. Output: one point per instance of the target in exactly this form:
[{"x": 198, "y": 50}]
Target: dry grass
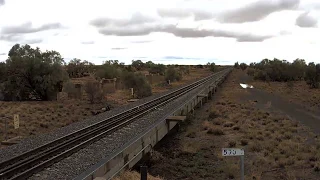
[
  {"x": 42, "y": 117},
  {"x": 133, "y": 175},
  {"x": 275, "y": 147},
  {"x": 195, "y": 74}
]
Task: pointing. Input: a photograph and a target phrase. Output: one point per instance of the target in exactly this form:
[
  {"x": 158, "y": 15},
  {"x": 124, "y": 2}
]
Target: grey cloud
[
  {"x": 252, "y": 38},
  {"x": 184, "y": 13},
  {"x": 32, "y": 41},
  {"x": 184, "y": 33},
  {"x": 256, "y": 11},
  {"x": 135, "y": 19},
  {"x": 27, "y": 28},
  {"x": 306, "y": 21},
  {"x": 118, "y": 48},
  {"x": 188, "y": 32},
  {"x": 133, "y": 29},
  {"x": 87, "y": 42},
  {"x": 146, "y": 41},
  {"x": 3, "y": 54},
  {"x": 2, "y": 2},
  {"x": 119, "y": 31},
  {"x": 19, "y": 39},
  {"x": 11, "y": 37},
  {"x": 195, "y": 33}
]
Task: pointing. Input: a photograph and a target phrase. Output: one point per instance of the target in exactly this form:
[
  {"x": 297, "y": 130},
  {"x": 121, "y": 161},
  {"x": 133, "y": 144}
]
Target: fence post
[{"x": 143, "y": 172}]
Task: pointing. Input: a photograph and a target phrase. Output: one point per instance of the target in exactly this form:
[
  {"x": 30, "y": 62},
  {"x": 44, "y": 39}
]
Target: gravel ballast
[{"x": 77, "y": 163}]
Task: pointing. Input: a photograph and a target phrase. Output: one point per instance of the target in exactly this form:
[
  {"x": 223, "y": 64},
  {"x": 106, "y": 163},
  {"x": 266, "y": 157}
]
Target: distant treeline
[
  {"x": 284, "y": 71},
  {"x": 31, "y": 74}
]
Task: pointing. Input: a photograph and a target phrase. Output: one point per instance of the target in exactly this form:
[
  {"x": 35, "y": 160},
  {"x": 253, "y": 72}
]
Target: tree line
[
  {"x": 31, "y": 74},
  {"x": 284, "y": 71}
]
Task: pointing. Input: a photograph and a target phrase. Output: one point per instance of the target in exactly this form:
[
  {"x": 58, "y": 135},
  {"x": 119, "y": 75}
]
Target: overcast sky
[{"x": 165, "y": 31}]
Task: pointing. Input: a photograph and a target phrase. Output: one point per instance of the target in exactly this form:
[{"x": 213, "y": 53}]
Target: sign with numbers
[
  {"x": 16, "y": 121},
  {"x": 232, "y": 152}
]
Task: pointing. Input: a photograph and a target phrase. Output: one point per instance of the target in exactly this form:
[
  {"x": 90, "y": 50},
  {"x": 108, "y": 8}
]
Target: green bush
[
  {"x": 138, "y": 64},
  {"x": 109, "y": 71},
  {"x": 93, "y": 91},
  {"x": 173, "y": 75},
  {"x": 138, "y": 82},
  {"x": 313, "y": 75},
  {"x": 77, "y": 68},
  {"x": 157, "y": 68},
  {"x": 212, "y": 67},
  {"x": 243, "y": 66},
  {"x": 277, "y": 70},
  {"x": 184, "y": 69},
  {"x": 31, "y": 74},
  {"x": 236, "y": 65},
  {"x": 250, "y": 72}
]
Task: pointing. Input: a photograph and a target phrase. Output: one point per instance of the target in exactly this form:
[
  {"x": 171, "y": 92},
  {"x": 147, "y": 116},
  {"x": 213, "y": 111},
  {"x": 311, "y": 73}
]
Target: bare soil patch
[
  {"x": 298, "y": 92},
  {"x": 276, "y": 147}
]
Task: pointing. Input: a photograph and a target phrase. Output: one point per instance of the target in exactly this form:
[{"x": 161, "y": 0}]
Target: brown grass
[
  {"x": 275, "y": 147},
  {"x": 42, "y": 117},
  {"x": 195, "y": 74}
]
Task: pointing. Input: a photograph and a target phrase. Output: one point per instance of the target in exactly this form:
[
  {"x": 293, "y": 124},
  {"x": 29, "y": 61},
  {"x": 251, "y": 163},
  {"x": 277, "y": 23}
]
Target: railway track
[{"x": 33, "y": 161}]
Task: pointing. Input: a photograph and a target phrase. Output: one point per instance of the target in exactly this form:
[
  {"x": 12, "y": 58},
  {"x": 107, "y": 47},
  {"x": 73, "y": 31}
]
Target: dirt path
[{"x": 276, "y": 103}]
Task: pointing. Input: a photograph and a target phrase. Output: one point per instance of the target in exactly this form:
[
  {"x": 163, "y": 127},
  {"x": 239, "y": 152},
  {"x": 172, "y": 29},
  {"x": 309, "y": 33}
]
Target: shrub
[
  {"x": 213, "y": 114},
  {"x": 32, "y": 74},
  {"x": 244, "y": 142},
  {"x": 243, "y": 66},
  {"x": 236, "y": 65},
  {"x": 109, "y": 71},
  {"x": 228, "y": 124},
  {"x": 173, "y": 75},
  {"x": 212, "y": 67},
  {"x": 184, "y": 69},
  {"x": 93, "y": 91},
  {"x": 232, "y": 144},
  {"x": 250, "y": 72},
  {"x": 255, "y": 147},
  {"x": 77, "y": 68},
  {"x": 157, "y": 68},
  {"x": 215, "y": 131},
  {"x": 69, "y": 88},
  {"x": 138, "y": 64},
  {"x": 282, "y": 70},
  {"x": 139, "y": 84},
  {"x": 313, "y": 75}
]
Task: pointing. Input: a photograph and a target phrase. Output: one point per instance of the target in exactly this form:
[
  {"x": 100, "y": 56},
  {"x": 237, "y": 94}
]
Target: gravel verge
[
  {"x": 74, "y": 165},
  {"x": 36, "y": 141}
]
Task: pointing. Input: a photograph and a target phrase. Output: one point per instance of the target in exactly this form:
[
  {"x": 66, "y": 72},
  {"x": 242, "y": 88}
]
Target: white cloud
[
  {"x": 306, "y": 21},
  {"x": 197, "y": 31}
]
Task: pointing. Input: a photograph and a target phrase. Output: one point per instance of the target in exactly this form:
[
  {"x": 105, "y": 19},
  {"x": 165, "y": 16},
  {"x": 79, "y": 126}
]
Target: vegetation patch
[{"x": 275, "y": 147}]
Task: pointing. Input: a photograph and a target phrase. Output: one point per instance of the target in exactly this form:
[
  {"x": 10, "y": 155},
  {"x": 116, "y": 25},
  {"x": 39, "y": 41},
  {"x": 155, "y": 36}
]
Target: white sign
[
  {"x": 16, "y": 121},
  {"x": 232, "y": 152}
]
